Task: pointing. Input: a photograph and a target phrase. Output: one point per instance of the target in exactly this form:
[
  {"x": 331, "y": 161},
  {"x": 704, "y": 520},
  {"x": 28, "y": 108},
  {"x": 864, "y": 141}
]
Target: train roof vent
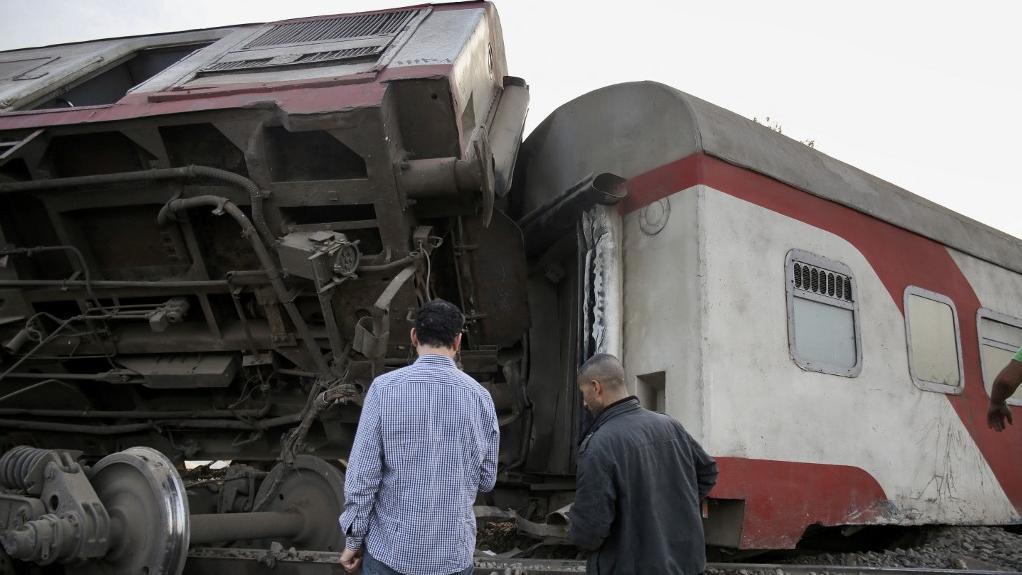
[
  {"x": 823, "y": 282},
  {"x": 334, "y": 28},
  {"x": 237, "y": 65},
  {"x": 299, "y": 59},
  {"x": 361, "y": 39},
  {"x": 333, "y": 55}
]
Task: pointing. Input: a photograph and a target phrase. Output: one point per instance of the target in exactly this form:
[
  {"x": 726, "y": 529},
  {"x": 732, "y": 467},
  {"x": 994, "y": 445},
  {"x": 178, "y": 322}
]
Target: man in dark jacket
[{"x": 640, "y": 482}]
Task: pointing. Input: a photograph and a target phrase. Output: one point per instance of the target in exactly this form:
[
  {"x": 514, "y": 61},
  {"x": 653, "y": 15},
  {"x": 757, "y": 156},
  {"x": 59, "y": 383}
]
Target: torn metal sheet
[
  {"x": 550, "y": 533},
  {"x": 602, "y": 295}
]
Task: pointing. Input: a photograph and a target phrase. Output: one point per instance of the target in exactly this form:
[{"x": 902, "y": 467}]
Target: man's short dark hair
[
  {"x": 605, "y": 368},
  {"x": 438, "y": 323}
]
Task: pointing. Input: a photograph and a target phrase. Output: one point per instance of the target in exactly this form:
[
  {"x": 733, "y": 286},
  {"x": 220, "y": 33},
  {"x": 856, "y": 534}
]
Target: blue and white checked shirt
[{"x": 427, "y": 443}]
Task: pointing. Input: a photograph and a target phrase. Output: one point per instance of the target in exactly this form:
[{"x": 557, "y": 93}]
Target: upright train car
[{"x": 829, "y": 337}]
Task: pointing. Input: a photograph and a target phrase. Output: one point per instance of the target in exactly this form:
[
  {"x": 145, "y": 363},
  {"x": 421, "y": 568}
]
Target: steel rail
[
  {"x": 506, "y": 566},
  {"x": 847, "y": 569}
]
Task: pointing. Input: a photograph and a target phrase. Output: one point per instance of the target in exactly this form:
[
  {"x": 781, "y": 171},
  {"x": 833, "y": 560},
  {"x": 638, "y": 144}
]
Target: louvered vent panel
[
  {"x": 237, "y": 65},
  {"x": 339, "y": 28},
  {"x": 294, "y": 60},
  {"x": 348, "y": 54},
  {"x": 822, "y": 281}
]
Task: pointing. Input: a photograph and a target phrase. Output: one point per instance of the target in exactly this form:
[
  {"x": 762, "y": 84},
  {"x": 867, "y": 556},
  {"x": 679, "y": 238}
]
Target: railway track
[
  {"x": 758, "y": 568},
  {"x": 202, "y": 561}
]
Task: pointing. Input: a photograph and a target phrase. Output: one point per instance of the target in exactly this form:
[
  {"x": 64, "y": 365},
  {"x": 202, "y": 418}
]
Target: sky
[{"x": 923, "y": 94}]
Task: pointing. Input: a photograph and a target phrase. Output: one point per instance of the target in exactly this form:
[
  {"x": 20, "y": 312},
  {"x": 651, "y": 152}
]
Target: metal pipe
[
  {"x": 52, "y": 336},
  {"x": 221, "y": 205},
  {"x": 74, "y": 428},
  {"x": 439, "y": 177},
  {"x": 72, "y": 376},
  {"x": 188, "y": 338},
  {"x": 118, "y": 284},
  {"x": 411, "y": 258},
  {"x": 326, "y": 305},
  {"x": 185, "y": 173},
  {"x": 39, "y": 346},
  {"x": 257, "y": 425},
  {"x": 117, "y": 429},
  {"x": 295, "y": 372},
  {"x": 61, "y": 248},
  {"x": 216, "y": 527},
  {"x": 549, "y": 222},
  {"x": 254, "y": 193},
  {"x": 15, "y": 344},
  {"x": 100, "y": 414}
]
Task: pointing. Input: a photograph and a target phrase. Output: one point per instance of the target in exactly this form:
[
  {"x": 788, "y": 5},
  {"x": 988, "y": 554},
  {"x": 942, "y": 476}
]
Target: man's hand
[
  {"x": 1005, "y": 385},
  {"x": 351, "y": 560},
  {"x": 997, "y": 414}
]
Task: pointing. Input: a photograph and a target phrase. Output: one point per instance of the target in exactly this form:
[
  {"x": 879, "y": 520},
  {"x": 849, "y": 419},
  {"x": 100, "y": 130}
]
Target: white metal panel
[
  {"x": 663, "y": 315},
  {"x": 760, "y": 404},
  {"x": 998, "y": 289},
  {"x": 440, "y": 38}
]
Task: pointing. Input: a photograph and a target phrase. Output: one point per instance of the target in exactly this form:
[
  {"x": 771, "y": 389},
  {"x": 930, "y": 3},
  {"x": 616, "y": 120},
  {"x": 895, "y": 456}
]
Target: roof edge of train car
[{"x": 659, "y": 124}]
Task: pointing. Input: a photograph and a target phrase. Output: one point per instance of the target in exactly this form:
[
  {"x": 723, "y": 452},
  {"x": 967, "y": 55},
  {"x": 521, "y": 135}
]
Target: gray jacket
[{"x": 640, "y": 480}]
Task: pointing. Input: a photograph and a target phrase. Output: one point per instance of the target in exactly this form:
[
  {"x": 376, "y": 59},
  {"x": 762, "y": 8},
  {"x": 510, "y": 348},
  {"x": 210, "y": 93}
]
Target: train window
[
  {"x": 823, "y": 315},
  {"x": 934, "y": 345},
  {"x": 1000, "y": 336},
  {"x": 112, "y": 83}
]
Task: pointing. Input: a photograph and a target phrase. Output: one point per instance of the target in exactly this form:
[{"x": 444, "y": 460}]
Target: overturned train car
[{"x": 212, "y": 241}]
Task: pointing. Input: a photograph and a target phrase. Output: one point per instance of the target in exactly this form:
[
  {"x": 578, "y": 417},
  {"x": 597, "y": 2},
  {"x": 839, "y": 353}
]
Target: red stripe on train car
[
  {"x": 782, "y": 498},
  {"x": 899, "y": 257},
  {"x": 319, "y": 96}
]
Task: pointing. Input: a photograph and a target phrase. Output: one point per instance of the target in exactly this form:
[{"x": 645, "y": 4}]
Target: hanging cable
[
  {"x": 429, "y": 269},
  {"x": 35, "y": 385},
  {"x": 77, "y": 256}
]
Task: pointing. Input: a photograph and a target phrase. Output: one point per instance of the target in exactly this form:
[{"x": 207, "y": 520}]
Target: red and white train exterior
[{"x": 822, "y": 407}]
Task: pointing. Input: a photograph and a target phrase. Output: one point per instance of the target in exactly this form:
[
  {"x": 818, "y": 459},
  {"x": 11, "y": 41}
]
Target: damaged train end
[{"x": 212, "y": 241}]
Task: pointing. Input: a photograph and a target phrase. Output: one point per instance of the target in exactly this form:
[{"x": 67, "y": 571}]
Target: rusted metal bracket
[{"x": 372, "y": 343}]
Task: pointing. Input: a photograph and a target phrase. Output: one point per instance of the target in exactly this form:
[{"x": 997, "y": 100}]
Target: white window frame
[
  {"x": 985, "y": 313},
  {"x": 923, "y": 384},
  {"x": 792, "y": 292}
]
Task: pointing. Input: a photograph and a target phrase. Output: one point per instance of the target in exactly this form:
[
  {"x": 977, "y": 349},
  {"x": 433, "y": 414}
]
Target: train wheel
[{"x": 148, "y": 508}]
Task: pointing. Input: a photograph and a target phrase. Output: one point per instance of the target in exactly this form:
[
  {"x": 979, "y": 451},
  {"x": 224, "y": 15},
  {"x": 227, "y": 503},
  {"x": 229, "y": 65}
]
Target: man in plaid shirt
[{"x": 426, "y": 444}]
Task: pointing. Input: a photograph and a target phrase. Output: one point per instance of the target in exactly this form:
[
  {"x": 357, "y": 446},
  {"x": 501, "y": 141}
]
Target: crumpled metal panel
[{"x": 602, "y": 318}]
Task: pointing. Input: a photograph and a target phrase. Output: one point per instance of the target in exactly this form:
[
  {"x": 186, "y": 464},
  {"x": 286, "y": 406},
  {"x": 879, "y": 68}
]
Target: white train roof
[{"x": 657, "y": 124}]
